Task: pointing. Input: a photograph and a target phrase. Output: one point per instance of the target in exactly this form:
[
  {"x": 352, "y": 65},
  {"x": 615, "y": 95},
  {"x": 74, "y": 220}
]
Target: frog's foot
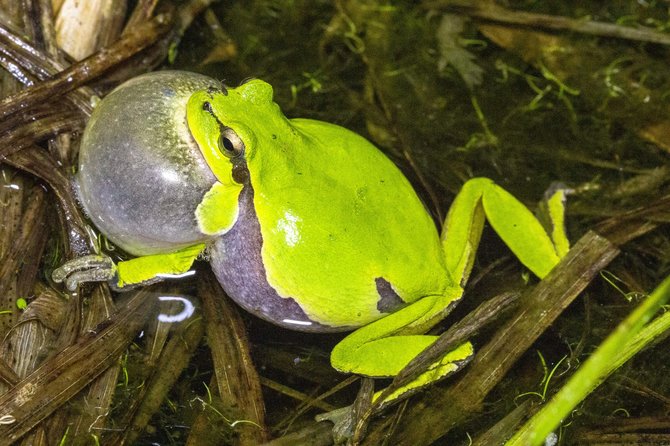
[
  {"x": 91, "y": 268},
  {"x": 449, "y": 364},
  {"x": 343, "y": 423},
  {"x": 344, "y": 418}
]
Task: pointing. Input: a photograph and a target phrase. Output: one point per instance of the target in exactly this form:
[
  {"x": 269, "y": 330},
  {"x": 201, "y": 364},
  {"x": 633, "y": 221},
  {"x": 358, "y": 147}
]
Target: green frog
[{"x": 304, "y": 223}]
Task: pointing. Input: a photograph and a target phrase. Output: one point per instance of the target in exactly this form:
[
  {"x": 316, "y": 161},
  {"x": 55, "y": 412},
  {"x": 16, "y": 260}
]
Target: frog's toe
[
  {"x": 343, "y": 423},
  {"x": 91, "y": 268},
  {"x": 91, "y": 275}
]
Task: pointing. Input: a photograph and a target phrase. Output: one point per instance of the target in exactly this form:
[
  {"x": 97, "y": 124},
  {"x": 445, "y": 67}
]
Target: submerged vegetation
[{"x": 529, "y": 94}]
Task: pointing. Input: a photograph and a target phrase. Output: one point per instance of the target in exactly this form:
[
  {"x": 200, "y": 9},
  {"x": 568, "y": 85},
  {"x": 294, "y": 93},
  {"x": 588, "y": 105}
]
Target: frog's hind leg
[
  {"x": 521, "y": 231},
  {"x": 384, "y": 347}
]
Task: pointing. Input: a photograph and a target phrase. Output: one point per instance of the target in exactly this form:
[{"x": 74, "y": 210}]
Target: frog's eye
[{"x": 230, "y": 144}]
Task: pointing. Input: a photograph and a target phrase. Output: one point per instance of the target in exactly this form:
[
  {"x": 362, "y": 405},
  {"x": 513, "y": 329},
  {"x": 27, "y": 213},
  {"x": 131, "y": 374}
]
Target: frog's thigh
[{"x": 463, "y": 227}]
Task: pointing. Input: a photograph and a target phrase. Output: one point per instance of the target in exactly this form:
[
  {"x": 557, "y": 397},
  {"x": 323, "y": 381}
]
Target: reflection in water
[
  {"x": 176, "y": 276},
  {"x": 187, "y": 309},
  {"x": 297, "y": 322},
  {"x": 7, "y": 419}
]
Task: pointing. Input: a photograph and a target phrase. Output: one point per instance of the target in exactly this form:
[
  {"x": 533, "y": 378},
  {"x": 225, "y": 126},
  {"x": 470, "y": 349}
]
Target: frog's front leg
[{"x": 129, "y": 273}]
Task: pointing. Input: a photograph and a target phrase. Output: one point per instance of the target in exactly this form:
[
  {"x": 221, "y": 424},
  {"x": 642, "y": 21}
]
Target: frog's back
[{"x": 343, "y": 232}]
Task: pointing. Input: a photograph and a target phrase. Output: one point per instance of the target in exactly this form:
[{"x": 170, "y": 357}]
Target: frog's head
[{"x": 230, "y": 125}]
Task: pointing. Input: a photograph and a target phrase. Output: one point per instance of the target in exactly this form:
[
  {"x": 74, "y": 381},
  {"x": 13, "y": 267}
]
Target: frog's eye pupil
[
  {"x": 227, "y": 144},
  {"x": 230, "y": 144}
]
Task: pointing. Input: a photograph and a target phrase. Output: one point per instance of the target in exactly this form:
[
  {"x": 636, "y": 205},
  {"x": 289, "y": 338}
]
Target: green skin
[{"x": 335, "y": 215}]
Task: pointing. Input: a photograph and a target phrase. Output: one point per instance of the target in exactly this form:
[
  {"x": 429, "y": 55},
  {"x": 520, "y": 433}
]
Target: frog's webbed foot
[
  {"x": 91, "y": 268},
  {"x": 343, "y": 423}
]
